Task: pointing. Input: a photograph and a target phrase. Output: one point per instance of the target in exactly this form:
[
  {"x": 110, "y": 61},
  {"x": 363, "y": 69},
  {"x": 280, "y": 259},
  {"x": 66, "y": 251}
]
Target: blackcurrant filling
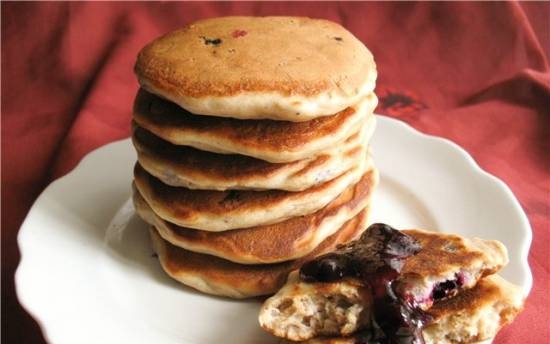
[
  {"x": 448, "y": 288},
  {"x": 439, "y": 291},
  {"x": 376, "y": 258},
  {"x": 396, "y": 319}
]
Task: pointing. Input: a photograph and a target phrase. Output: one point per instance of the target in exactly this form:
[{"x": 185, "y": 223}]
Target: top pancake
[{"x": 283, "y": 68}]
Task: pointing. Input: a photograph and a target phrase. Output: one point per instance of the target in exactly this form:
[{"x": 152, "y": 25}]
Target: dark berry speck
[
  {"x": 211, "y": 41},
  {"x": 239, "y": 33}
]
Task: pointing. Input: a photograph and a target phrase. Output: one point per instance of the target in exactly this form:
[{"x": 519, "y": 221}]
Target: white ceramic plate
[{"x": 87, "y": 273}]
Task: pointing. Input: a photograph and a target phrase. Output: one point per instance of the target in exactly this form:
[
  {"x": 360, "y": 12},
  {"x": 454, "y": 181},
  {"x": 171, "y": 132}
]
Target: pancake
[
  {"x": 287, "y": 240},
  {"x": 446, "y": 266},
  {"x": 282, "y": 68},
  {"x": 213, "y": 275},
  {"x": 472, "y": 316},
  {"x": 273, "y": 141},
  {"x": 450, "y": 262},
  {"x": 301, "y": 311},
  {"x": 476, "y": 314},
  {"x": 217, "y": 211},
  {"x": 196, "y": 169}
]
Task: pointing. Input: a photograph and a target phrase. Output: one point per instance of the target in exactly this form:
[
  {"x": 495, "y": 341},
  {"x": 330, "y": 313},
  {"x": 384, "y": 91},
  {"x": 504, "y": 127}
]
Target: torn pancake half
[
  {"x": 213, "y": 275},
  {"x": 446, "y": 264},
  {"x": 282, "y": 241}
]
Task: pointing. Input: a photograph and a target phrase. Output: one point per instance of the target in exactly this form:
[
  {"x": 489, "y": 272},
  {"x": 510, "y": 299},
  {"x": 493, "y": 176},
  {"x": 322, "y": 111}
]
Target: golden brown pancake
[
  {"x": 273, "y": 141},
  {"x": 287, "y": 240},
  {"x": 217, "y": 211},
  {"x": 217, "y": 276},
  {"x": 283, "y": 68},
  {"x": 195, "y": 169}
]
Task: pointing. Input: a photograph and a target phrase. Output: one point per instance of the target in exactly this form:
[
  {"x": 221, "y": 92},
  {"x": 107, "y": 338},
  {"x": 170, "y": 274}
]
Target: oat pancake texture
[{"x": 472, "y": 316}]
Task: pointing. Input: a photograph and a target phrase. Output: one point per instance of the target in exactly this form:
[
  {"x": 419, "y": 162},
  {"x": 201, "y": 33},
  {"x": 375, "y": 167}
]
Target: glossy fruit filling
[{"x": 377, "y": 258}]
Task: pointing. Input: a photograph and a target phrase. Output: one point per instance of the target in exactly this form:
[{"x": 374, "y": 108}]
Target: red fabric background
[{"x": 478, "y": 73}]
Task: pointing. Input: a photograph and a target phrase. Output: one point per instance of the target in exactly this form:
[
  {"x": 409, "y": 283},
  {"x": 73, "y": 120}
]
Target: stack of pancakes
[{"x": 252, "y": 138}]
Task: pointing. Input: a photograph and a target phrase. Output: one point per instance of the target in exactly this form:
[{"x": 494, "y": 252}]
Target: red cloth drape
[{"x": 476, "y": 73}]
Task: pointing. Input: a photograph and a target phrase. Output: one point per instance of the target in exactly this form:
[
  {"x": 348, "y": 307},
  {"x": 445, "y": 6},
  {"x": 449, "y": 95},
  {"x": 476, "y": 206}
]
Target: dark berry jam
[
  {"x": 399, "y": 319},
  {"x": 380, "y": 247},
  {"x": 448, "y": 288},
  {"x": 331, "y": 267},
  {"x": 377, "y": 258}
]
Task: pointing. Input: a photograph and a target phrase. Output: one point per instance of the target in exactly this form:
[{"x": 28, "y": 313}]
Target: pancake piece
[
  {"x": 472, "y": 316},
  {"x": 445, "y": 266},
  {"x": 213, "y": 275},
  {"x": 476, "y": 314},
  {"x": 196, "y": 169},
  {"x": 218, "y": 211},
  {"x": 224, "y": 67},
  {"x": 301, "y": 311},
  {"x": 287, "y": 240},
  {"x": 273, "y": 141}
]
